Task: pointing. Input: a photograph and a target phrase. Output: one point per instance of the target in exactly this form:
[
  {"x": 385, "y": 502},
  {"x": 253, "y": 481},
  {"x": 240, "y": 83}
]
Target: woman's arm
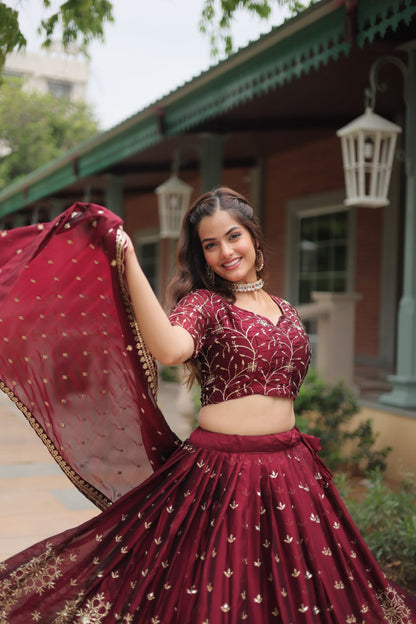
[{"x": 169, "y": 344}]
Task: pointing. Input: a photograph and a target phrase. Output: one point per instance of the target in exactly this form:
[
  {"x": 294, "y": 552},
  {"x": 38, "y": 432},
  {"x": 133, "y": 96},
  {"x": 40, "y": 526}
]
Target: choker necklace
[{"x": 242, "y": 288}]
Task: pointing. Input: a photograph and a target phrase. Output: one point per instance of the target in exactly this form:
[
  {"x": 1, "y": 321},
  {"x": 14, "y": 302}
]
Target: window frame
[
  {"x": 312, "y": 206},
  {"x": 144, "y": 238}
]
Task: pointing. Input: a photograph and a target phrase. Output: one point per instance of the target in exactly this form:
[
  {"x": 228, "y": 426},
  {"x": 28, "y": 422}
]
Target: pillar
[
  {"x": 211, "y": 161},
  {"x": 114, "y": 194},
  {"x": 335, "y": 333},
  {"x": 403, "y": 393}
]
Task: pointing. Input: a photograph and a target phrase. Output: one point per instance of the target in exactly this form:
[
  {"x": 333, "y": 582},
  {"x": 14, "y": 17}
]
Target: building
[
  {"x": 59, "y": 73},
  {"x": 264, "y": 121}
]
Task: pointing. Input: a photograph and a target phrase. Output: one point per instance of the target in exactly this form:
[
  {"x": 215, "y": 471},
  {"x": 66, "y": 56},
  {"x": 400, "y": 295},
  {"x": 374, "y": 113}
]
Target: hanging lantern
[
  {"x": 173, "y": 201},
  {"x": 368, "y": 144}
]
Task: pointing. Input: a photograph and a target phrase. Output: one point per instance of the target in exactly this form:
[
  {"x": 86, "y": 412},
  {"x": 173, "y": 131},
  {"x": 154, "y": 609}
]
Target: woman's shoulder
[
  {"x": 285, "y": 305},
  {"x": 197, "y": 299}
]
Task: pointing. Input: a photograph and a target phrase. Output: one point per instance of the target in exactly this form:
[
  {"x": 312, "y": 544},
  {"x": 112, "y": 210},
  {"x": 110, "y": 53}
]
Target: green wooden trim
[
  {"x": 376, "y": 16},
  {"x": 127, "y": 143},
  {"x": 244, "y": 76},
  {"x": 289, "y": 59},
  {"x": 52, "y": 183}
]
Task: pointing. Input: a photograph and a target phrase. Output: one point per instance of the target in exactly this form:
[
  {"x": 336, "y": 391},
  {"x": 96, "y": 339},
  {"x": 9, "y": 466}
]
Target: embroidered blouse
[{"x": 243, "y": 353}]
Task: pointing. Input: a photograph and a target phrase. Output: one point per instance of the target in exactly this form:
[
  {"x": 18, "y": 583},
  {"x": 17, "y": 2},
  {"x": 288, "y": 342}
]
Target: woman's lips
[{"x": 231, "y": 264}]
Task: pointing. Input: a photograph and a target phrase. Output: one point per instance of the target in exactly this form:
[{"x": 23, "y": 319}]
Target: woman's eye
[
  {"x": 209, "y": 246},
  {"x": 235, "y": 235}
]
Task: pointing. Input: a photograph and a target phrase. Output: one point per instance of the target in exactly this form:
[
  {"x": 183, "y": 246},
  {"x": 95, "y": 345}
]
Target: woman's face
[{"x": 228, "y": 247}]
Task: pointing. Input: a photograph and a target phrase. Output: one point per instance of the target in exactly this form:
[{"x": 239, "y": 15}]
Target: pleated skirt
[{"x": 231, "y": 529}]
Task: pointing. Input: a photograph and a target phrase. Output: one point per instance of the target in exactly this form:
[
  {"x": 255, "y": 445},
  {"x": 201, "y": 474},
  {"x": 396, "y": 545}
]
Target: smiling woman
[
  {"x": 228, "y": 247},
  {"x": 240, "y": 522}
]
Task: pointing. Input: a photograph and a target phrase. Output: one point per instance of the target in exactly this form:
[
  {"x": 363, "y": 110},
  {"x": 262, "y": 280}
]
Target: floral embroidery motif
[
  {"x": 393, "y": 607},
  {"x": 67, "y": 614},
  {"x": 95, "y": 610},
  {"x": 33, "y": 577}
]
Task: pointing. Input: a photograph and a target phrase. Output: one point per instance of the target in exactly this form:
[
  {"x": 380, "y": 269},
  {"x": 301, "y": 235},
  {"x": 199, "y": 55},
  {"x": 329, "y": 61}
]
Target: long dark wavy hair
[{"x": 190, "y": 272}]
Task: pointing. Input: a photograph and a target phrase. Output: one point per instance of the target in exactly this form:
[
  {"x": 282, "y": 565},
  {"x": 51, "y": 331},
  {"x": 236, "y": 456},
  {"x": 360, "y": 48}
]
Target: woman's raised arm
[{"x": 169, "y": 344}]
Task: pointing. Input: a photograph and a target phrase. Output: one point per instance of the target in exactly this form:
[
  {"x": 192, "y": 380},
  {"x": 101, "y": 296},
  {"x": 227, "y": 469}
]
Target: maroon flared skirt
[{"x": 230, "y": 529}]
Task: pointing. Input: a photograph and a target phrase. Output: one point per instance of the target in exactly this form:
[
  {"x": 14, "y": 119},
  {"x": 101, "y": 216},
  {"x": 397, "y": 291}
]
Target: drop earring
[
  {"x": 210, "y": 274},
  {"x": 259, "y": 260}
]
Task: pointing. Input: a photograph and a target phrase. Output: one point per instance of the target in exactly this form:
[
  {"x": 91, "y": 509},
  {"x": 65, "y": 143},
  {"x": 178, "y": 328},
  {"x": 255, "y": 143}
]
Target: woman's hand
[{"x": 128, "y": 244}]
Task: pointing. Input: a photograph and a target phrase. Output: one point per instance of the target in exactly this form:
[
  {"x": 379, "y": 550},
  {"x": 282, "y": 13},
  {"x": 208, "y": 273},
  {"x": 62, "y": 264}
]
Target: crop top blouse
[{"x": 243, "y": 353}]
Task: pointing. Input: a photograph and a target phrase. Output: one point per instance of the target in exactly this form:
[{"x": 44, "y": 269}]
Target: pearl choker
[{"x": 242, "y": 288}]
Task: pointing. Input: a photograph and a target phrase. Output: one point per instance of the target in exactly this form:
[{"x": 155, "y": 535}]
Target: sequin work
[
  {"x": 223, "y": 529},
  {"x": 242, "y": 353},
  {"x": 231, "y": 529}
]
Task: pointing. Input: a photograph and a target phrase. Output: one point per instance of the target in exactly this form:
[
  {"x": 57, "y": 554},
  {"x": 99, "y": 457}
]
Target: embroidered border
[
  {"x": 393, "y": 607},
  {"x": 146, "y": 361},
  {"x": 83, "y": 486}
]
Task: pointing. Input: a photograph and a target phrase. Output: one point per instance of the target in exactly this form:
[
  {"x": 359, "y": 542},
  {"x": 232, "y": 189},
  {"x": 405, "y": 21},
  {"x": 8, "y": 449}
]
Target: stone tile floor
[{"x": 36, "y": 498}]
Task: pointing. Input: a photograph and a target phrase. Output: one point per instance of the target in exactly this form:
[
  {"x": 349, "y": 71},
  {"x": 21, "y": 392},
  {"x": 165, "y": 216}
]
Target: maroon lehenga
[{"x": 219, "y": 529}]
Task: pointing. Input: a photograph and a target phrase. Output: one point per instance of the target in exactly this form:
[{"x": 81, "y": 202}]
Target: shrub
[
  {"x": 325, "y": 410},
  {"x": 386, "y": 519},
  {"x": 170, "y": 373}
]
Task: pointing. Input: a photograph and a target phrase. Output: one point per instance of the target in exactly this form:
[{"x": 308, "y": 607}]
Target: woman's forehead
[{"x": 217, "y": 224}]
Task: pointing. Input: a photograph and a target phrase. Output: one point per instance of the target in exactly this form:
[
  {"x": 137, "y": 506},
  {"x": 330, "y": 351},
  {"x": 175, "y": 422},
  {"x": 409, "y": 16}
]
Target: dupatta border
[{"x": 146, "y": 360}]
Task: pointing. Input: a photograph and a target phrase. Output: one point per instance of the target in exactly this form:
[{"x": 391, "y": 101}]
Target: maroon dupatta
[{"x": 71, "y": 355}]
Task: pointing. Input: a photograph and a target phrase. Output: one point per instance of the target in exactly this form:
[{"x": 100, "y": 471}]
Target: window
[
  {"x": 59, "y": 88},
  {"x": 323, "y": 254},
  {"x": 148, "y": 254}
]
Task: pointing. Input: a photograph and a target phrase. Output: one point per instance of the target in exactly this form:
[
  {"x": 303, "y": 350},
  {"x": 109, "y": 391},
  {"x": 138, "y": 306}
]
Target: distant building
[{"x": 63, "y": 74}]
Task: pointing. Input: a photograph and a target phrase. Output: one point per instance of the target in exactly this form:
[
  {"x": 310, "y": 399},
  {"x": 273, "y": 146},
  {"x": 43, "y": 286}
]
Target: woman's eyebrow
[{"x": 235, "y": 227}]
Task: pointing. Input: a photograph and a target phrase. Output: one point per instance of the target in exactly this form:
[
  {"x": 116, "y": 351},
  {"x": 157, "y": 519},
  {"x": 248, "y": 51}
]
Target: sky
[{"x": 153, "y": 47}]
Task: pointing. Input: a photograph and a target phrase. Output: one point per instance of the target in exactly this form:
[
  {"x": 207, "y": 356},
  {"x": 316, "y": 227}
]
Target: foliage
[
  {"x": 325, "y": 410},
  {"x": 216, "y": 20},
  {"x": 38, "y": 128},
  {"x": 170, "y": 373},
  {"x": 10, "y": 36},
  {"x": 386, "y": 519},
  {"x": 77, "y": 21}
]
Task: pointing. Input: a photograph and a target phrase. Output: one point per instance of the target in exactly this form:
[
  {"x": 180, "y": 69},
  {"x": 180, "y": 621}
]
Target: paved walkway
[{"x": 36, "y": 498}]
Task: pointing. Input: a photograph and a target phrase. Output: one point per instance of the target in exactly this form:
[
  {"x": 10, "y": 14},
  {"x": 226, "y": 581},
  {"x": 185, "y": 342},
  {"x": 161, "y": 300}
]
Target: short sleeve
[{"x": 194, "y": 313}]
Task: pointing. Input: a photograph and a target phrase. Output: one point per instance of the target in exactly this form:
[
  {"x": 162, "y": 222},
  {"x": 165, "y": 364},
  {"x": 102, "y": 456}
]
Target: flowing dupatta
[{"x": 71, "y": 356}]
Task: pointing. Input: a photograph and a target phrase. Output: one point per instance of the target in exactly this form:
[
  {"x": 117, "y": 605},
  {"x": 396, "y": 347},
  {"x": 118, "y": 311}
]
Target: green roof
[{"x": 288, "y": 52}]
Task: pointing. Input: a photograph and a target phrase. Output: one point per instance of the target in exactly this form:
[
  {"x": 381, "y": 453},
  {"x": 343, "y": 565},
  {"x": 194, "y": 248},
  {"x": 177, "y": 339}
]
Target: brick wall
[
  {"x": 368, "y": 280},
  {"x": 315, "y": 168}
]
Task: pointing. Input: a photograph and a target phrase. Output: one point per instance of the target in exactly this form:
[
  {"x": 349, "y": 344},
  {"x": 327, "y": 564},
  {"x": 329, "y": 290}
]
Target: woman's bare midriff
[{"x": 250, "y": 415}]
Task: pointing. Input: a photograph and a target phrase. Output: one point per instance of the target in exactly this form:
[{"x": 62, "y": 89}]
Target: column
[
  {"x": 403, "y": 393},
  {"x": 114, "y": 194},
  {"x": 336, "y": 333},
  {"x": 211, "y": 161}
]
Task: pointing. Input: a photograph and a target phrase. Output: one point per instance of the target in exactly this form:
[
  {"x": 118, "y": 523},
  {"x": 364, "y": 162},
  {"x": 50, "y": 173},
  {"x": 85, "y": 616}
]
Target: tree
[
  {"x": 217, "y": 16},
  {"x": 79, "y": 22},
  {"x": 36, "y": 128}
]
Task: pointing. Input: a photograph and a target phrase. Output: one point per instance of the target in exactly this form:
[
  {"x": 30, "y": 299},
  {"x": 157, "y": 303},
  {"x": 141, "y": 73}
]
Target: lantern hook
[{"x": 376, "y": 85}]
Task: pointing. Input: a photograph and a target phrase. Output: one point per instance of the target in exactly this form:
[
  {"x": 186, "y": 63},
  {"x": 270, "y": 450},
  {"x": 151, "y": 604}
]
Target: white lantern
[
  {"x": 173, "y": 201},
  {"x": 368, "y": 144}
]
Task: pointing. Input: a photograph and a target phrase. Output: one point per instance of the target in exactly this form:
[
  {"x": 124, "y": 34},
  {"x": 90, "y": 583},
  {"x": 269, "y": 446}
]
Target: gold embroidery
[
  {"x": 147, "y": 361},
  {"x": 67, "y": 614},
  {"x": 33, "y": 577},
  {"x": 88, "y": 490},
  {"x": 95, "y": 610},
  {"x": 393, "y": 607}
]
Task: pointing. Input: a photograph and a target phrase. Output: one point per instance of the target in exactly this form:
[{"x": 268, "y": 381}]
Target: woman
[{"x": 239, "y": 523}]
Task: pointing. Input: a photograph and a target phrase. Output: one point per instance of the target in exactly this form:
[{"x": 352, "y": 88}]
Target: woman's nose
[{"x": 226, "y": 250}]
